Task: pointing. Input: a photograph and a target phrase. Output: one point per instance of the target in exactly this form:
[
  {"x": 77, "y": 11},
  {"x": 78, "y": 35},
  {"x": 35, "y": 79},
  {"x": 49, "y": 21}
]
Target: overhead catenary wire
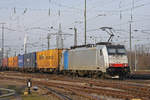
[
  {"x": 92, "y": 19},
  {"x": 36, "y": 9}
]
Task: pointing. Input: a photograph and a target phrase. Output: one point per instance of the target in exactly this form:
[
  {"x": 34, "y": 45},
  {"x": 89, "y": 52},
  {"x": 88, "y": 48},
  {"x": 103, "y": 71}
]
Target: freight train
[{"x": 89, "y": 60}]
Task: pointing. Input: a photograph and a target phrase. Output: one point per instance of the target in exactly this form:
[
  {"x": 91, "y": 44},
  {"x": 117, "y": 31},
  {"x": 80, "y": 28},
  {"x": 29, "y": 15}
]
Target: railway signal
[{"x": 29, "y": 85}]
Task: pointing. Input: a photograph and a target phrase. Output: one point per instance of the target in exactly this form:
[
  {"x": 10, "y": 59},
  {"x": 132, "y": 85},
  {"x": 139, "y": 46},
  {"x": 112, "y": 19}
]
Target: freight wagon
[
  {"x": 20, "y": 62},
  {"x": 10, "y": 63},
  {"x": 5, "y": 63},
  {"x": 30, "y": 62},
  {"x": 13, "y": 63},
  {"x": 43, "y": 61},
  {"x": 48, "y": 60},
  {"x": 96, "y": 60}
]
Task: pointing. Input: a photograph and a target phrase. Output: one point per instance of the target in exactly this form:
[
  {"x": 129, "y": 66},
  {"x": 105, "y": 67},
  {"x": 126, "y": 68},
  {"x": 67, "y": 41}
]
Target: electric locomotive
[{"x": 96, "y": 60}]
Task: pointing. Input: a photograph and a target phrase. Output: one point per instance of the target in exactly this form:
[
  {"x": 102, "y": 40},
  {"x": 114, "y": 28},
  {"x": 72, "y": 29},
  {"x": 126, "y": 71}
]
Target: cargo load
[
  {"x": 15, "y": 61},
  {"x": 48, "y": 59},
  {"x": 20, "y": 61},
  {"x": 30, "y": 60},
  {"x": 10, "y": 62}
]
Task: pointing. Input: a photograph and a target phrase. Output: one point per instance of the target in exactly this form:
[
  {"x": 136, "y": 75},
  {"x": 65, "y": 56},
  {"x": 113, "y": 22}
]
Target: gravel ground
[
  {"x": 107, "y": 84},
  {"x": 19, "y": 87}
]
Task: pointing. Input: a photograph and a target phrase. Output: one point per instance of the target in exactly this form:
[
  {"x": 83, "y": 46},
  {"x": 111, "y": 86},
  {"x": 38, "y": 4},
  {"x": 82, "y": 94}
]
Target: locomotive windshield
[
  {"x": 121, "y": 51},
  {"x": 112, "y": 50}
]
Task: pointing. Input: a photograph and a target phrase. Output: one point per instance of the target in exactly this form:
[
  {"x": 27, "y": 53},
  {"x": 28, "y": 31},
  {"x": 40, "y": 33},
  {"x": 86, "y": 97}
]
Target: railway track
[
  {"x": 49, "y": 84},
  {"x": 10, "y": 92},
  {"x": 58, "y": 94},
  {"x": 90, "y": 89}
]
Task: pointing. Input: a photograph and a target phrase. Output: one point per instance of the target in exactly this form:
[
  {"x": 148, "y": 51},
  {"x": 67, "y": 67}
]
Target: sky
[{"x": 36, "y": 17}]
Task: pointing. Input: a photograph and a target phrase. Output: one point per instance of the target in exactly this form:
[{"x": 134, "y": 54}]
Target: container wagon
[
  {"x": 30, "y": 62},
  {"x": 13, "y": 63},
  {"x": 97, "y": 60},
  {"x": 5, "y": 64},
  {"x": 20, "y": 62},
  {"x": 48, "y": 60},
  {"x": 10, "y": 63}
]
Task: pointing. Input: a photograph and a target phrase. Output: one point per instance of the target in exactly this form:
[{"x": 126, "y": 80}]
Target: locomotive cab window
[
  {"x": 121, "y": 51},
  {"x": 115, "y": 50},
  {"x": 111, "y": 51},
  {"x": 101, "y": 53}
]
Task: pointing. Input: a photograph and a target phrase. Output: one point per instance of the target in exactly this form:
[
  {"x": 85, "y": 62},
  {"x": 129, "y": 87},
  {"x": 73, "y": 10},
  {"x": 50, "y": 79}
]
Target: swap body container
[
  {"x": 49, "y": 59},
  {"x": 20, "y": 61},
  {"x": 15, "y": 61},
  {"x": 5, "y": 62},
  {"x": 10, "y": 62},
  {"x": 30, "y": 60}
]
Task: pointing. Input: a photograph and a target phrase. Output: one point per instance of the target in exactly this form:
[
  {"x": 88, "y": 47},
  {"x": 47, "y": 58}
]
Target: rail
[
  {"x": 115, "y": 89},
  {"x": 10, "y": 92},
  {"x": 58, "y": 94}
]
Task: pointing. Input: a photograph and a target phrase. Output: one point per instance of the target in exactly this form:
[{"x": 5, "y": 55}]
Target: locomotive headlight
[{"x": 126, "y": 65}]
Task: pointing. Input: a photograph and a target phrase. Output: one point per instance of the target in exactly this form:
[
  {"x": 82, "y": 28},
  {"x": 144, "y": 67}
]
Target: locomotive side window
[{"x": 101, "y": 53}]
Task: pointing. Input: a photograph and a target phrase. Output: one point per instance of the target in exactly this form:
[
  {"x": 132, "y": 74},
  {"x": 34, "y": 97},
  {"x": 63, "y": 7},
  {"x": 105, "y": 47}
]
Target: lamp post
[
  {"x": 130, "y": 43},
  {"x": 75, "y": 35},
  {"x": 85, "y": 23},
  {"x": 2, "y": 40},
  {"x": 48, "y": 41}
]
